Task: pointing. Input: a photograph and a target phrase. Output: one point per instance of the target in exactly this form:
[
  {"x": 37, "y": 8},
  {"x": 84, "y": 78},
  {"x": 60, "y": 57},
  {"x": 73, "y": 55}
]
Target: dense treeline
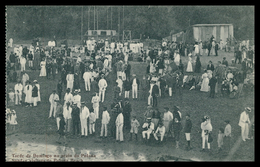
[{"x": 27, "y": 22}]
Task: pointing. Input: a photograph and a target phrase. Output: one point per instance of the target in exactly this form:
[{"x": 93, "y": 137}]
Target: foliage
[{"x": 26, "y": 22}]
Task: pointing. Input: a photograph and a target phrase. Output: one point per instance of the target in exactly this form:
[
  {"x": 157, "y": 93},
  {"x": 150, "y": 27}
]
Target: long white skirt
[
  {"x": 43, "y": 71},
  {"x": 189, "y": 67},
  {"x": 205, "y": 85}
]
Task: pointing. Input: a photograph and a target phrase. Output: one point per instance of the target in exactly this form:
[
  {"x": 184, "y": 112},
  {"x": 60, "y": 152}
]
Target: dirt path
[{"x": 90, "y": 149}]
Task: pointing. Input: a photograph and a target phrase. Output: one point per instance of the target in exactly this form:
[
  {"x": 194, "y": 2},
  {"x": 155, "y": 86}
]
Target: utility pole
[
  {"x": 107, "y": 17},
  {"x": 111, "y": 19},
  {"x": 94, "y": 18},
  {"x": 88, "y": 16},
  {"x": 97, "y": 18},
  {"x": 118, "y": 23},
  {"x": 81, "y": 24},
  {"x": 123, "y": 18}
]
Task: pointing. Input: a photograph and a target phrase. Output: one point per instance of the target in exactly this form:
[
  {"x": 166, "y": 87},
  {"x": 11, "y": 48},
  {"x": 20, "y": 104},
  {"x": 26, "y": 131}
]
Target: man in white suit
[
  {"x": 105, "y": 120},
  {"x": 244, "y": 121},
  {"x": 84, "y": 114},
  {"x": 119, "y": 126},
  {"x": 102, "y": 84},
  {"x": 18, "y": 88},
  {"x": 70, "y": 81},
  {"x": 52, "y": 99},
  {"x": 87, "y": 77}
]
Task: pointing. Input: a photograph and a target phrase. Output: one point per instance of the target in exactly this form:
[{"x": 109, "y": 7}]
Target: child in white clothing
[{"x": 134, "y": 127}]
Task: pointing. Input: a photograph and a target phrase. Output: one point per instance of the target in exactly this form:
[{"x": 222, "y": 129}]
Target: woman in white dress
[
  {"x": 205, "y": 82},
  {"x": 43, "y": 69},
  {"x": 177, "y": 58},
  {"x": 212, "y": 51},
  {"x": 28, "y": 94},
  {"x": 196, "y": 50},
  {"x": 189, "y": 66}
]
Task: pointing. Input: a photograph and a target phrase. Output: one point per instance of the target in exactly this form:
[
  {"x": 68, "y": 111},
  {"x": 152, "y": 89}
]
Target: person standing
[
  {"x": 156, "y": 116},
  {"x": 119, "y": 82},
  {"x": 205, "y": 82},
  {"x": 43, "y": 68},
  {"x": 59, "y": 88},
  {"x": 102, "y": 84},
  {"x": 212, "y": 85},
  {"x": 28, "y": 94},
  {"x": 177, "y": 129},
  {"x": 18, "y": 88},
  {"x": 220, "y": 139},
  {"x": 167, "y": 119},
  {"x": 87, "y": 76},
  {"x": 67, "y": 116},
  {"x": 77, "y": 98},
  {"x": 52, "y": 99},
  {"x": 154, "y": 92},
  {"x": 119, "y": 126},
  {"x": 134, "y": 127},
  {"x": 206, "y": 128},
  {"x": 22, "y": 63},
  {"x": 105, "y": 120},
  {"x": 59, "y": 111},
  {"x": 135, "y": 84},
  {"x": 244, "y": 122},
  {"x": 25, "y": 78},
  {"x": 75, "y": 119},
  {"x": 70, "y": 80},
  {"x": 227, "y": 135},
  {"x": 34, "y": 94},
  {"x": 92, "y": 121},
  {"x": 30, "y": 59},
  {"x": 187, "y": 130},
  {"x": 189, "y": 66},
  {"x": 62, "y": 125},
  {"x": 197, "y": 65},
  {"x": 84, "y": 114},
  {"x": 127, "y": 87},
  {"x": 95, "y": 102},
  {"x": 127, "y": 109},
  {"x": 68, "y": 97}
]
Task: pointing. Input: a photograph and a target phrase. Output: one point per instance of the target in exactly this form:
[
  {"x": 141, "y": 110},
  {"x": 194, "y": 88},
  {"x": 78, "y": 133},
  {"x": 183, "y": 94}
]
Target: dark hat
[{"x": 166, "y": 108}]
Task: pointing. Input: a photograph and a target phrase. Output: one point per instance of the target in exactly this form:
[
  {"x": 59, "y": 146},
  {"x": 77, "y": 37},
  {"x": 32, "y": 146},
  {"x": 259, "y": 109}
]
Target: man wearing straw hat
[
  {"x": 244, "y": 121},
  {"x": 84, "y": 114},
  {"x": 18, "y": 88}
]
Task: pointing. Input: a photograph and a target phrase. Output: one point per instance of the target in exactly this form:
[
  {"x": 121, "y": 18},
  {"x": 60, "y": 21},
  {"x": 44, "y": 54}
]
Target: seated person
[
  {"x": 148, "y": 128},
  {"x": 225, "y": 88},
  {"x": 234, "y": 90},
  {"x": 160, "y": 131}
]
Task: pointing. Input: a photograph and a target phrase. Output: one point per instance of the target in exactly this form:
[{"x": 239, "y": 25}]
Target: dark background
[{"x": 27, "y": 22}]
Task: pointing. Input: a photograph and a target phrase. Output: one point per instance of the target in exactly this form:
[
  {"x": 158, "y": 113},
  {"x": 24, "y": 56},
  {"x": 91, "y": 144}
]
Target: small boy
[
  {"x": 134, "y": 127},
  {"x": 13, "y": 121},
  {"x": 220, "y": 139},
  {"x": 92, "y": 121},
  {"x": 61, "y": 129},
  {"x": 11, "y": 97}
]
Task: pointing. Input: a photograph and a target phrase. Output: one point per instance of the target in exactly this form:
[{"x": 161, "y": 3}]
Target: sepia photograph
[{"x": 129, "y": 83}]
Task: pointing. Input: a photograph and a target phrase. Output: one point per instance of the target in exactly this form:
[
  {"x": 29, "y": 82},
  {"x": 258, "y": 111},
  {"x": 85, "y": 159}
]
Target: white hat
[{"x": 248, "y": 109}]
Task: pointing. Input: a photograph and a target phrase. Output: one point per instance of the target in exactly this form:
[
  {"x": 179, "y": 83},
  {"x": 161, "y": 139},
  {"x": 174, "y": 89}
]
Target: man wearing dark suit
[
  {"x": 212, "y": 84},
  {"x": 154, "y": 93},
  {"x": 128, "y": 70},
  {"x": 216, "y": 49},
  {"x": 210, "y": 66},
  {"x": 75, "y": 119}
]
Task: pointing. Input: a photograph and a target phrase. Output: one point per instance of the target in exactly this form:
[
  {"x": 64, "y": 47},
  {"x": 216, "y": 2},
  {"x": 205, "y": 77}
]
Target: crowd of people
[{"x": 102, "y": 63}]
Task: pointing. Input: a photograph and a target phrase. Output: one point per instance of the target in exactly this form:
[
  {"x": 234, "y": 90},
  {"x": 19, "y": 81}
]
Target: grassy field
[{"x": 34, "y": 120}]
